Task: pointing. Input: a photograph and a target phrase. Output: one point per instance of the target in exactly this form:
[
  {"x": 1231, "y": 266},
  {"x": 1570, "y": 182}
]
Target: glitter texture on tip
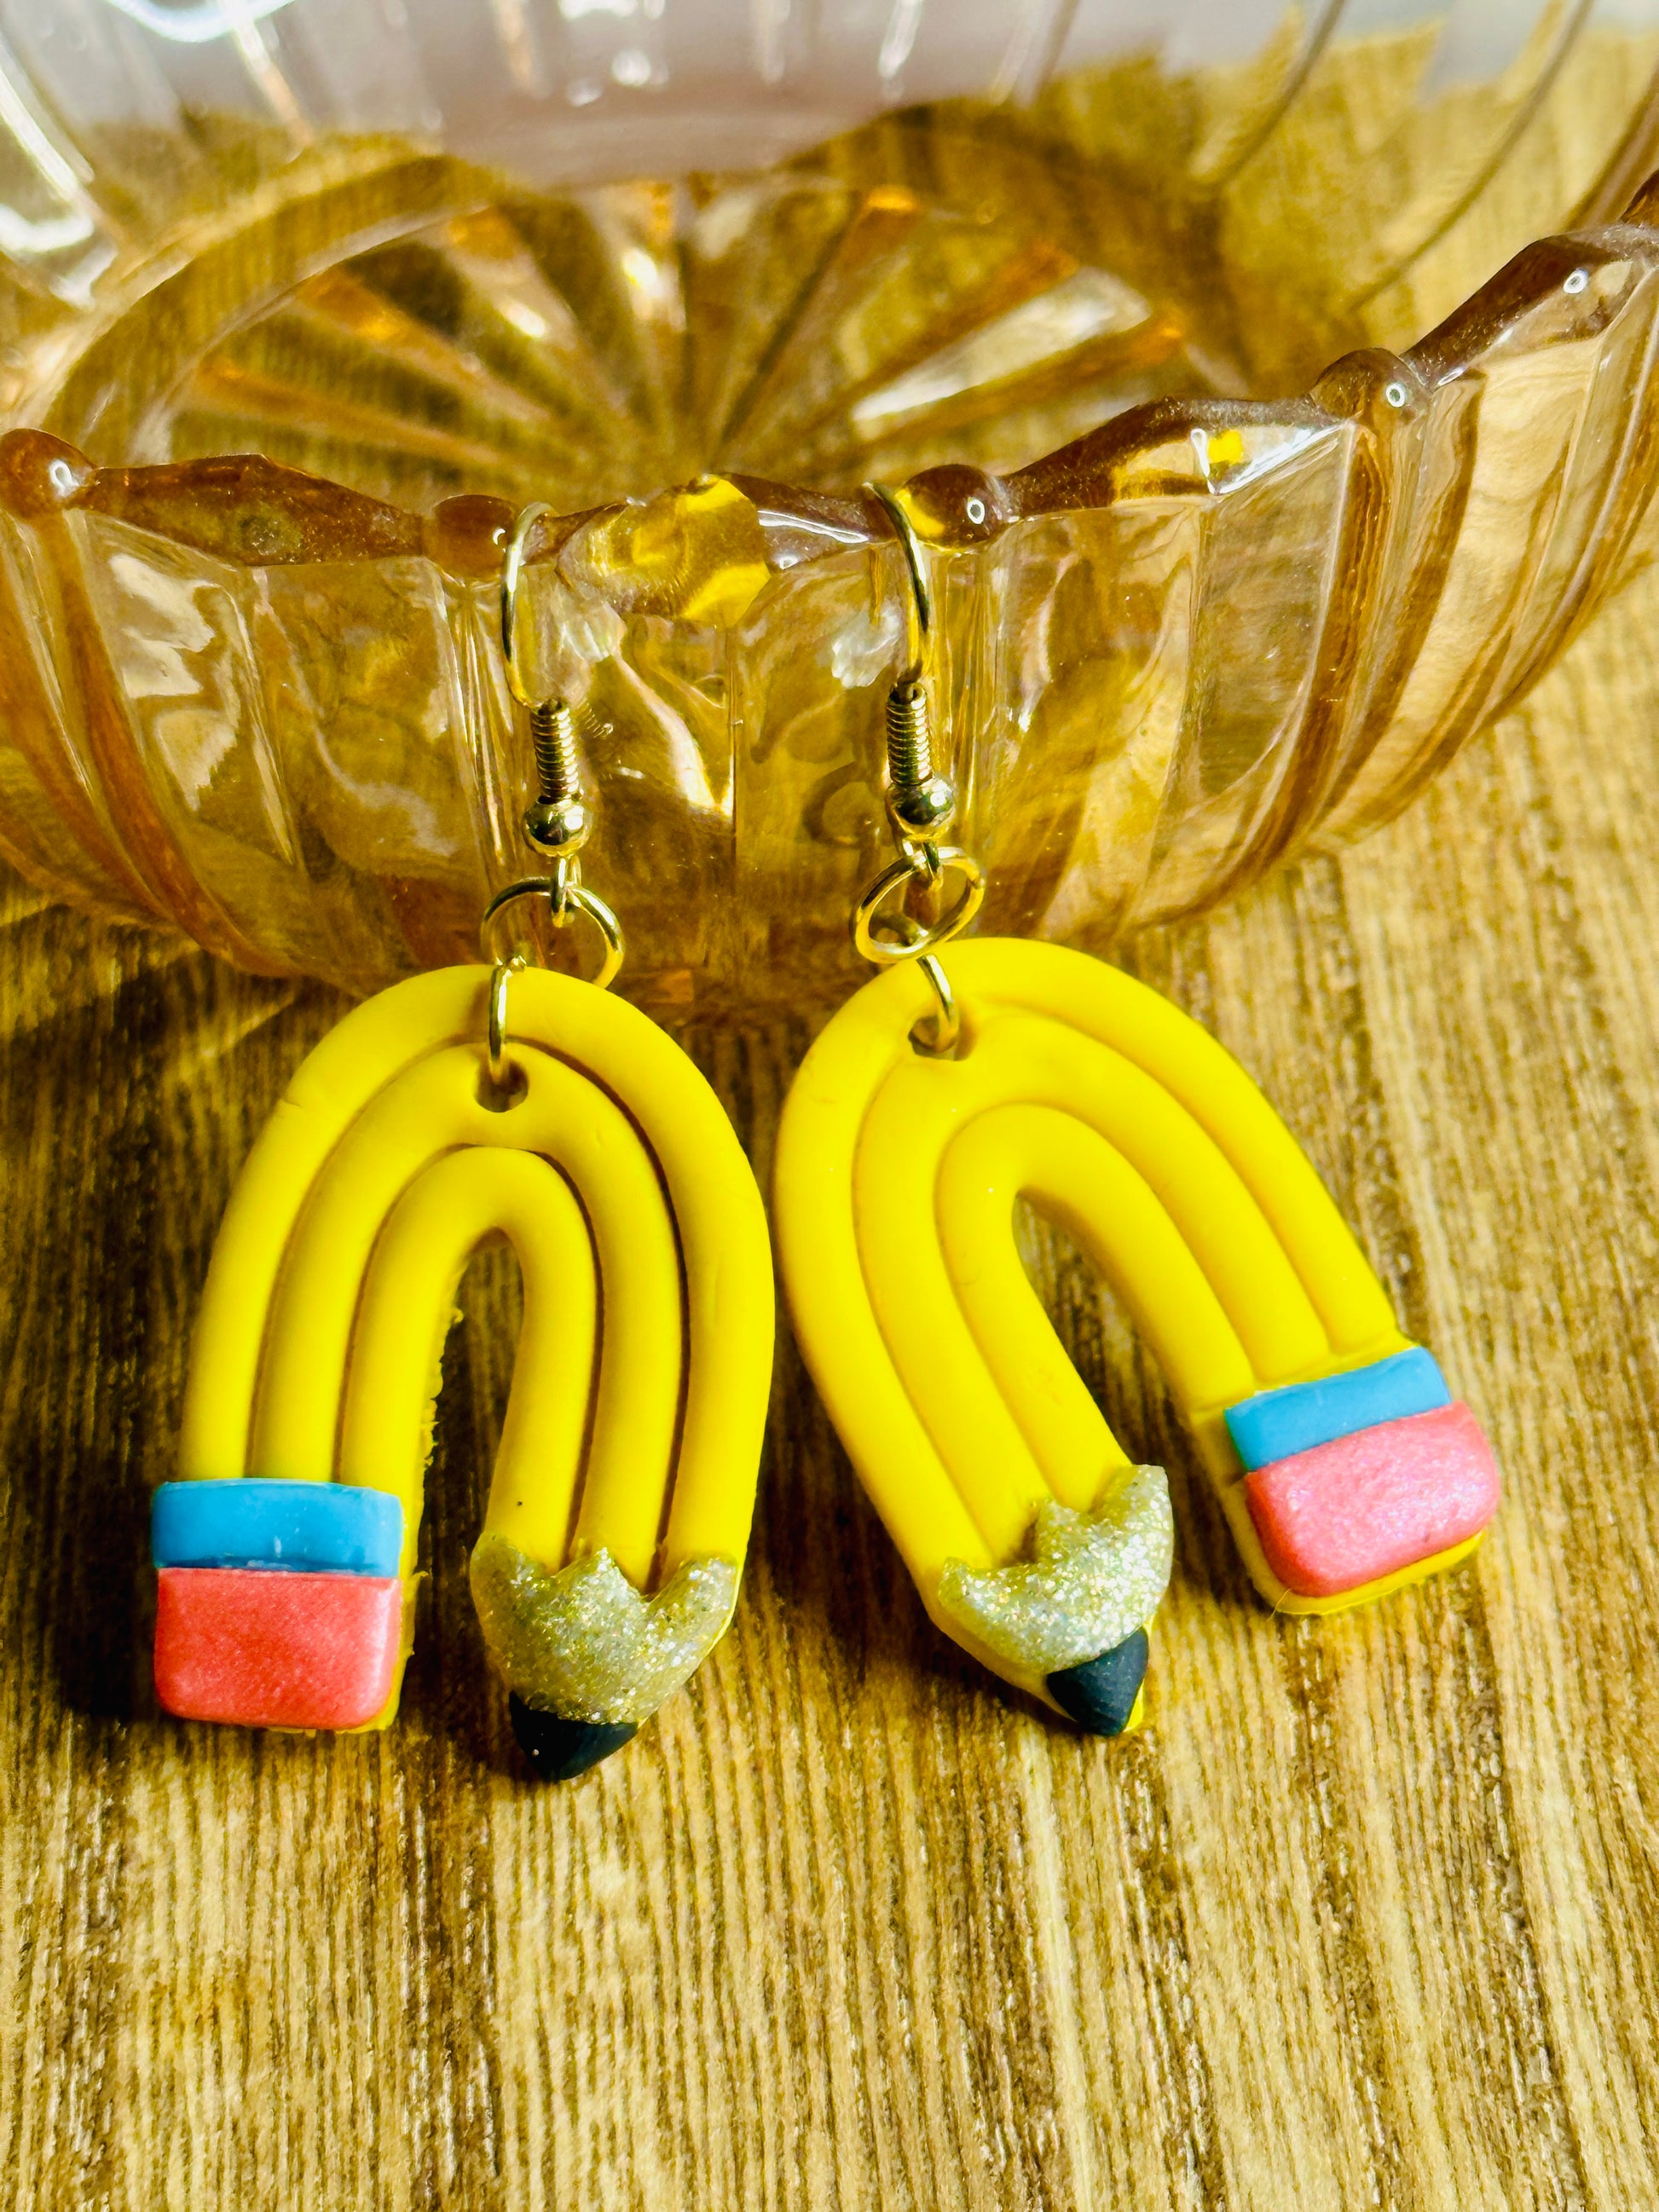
[
  {"x": 582, "y": 1642},
  {"x": 1092, "y": 1579}
]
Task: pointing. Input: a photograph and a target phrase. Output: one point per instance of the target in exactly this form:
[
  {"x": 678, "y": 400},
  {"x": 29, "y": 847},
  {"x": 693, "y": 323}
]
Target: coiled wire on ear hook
[
  {"x": 920, "y": 803},
  {"x": 558, "y": 823}
]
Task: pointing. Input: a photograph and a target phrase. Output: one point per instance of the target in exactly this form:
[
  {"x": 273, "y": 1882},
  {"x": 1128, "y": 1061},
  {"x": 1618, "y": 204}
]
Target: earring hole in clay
[
  {"x": 501, "y": 1098},
  {"x": 923, "y": 1035}
]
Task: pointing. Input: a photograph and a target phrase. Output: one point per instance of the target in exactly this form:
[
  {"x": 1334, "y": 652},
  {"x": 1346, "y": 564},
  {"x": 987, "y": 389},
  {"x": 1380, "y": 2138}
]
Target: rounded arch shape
[
  {"x": 1087, "y": 1094},
  {"x": 623, "y": 1487}
]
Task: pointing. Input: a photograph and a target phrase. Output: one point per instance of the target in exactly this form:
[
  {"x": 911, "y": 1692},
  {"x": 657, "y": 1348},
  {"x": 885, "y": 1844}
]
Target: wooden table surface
[{"x": 1368, "y": 1914}]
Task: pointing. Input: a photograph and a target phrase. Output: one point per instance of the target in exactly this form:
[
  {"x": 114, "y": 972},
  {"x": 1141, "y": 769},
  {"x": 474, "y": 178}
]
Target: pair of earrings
[{"x": 507, "y": 1100}]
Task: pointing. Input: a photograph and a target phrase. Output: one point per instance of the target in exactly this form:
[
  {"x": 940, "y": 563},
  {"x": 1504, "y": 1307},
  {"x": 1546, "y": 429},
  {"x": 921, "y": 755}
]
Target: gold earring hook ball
[
  {"x": 922, "y": 809},
  {"x": 557, "y": 827}
]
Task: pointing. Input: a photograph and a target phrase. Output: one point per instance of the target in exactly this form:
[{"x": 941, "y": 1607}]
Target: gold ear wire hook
[
  {"x": 920, "y": 801},
  {"x": 919, "y": 601},
  {"x": 512, "y": 571},
  {"x": 556, "y": 822}
]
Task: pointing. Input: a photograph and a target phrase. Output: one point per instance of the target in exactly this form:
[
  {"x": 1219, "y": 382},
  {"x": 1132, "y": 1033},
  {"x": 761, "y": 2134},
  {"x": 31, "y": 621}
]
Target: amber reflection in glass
[{"x": 260, "y": 699}]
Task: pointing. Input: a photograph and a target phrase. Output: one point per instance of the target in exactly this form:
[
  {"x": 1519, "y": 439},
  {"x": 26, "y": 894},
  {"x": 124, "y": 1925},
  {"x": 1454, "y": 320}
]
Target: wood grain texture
[{"x": 1368, "y": 1916}]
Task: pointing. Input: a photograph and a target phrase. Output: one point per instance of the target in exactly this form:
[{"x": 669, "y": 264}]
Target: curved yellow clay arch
[
  {"x": 641, "y": 1381},
  {"x": 458, "y": 1203},
  {"x": 321, "y": 1302},
  {"x": 1085, "y": 1187},
  {"x": 1116, "y": 1115}
]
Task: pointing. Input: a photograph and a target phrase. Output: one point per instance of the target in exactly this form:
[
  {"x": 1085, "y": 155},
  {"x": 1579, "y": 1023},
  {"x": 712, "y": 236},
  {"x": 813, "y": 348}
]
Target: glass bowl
[{"x": 290, "y": 336}]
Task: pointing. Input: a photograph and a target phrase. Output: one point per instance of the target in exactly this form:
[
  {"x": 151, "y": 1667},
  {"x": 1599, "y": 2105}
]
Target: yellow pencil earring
[
  {"x": 928, "y": 1107},
  {"x": 496, "y": 1101}
]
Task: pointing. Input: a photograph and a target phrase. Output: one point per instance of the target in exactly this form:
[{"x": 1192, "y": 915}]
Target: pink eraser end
[
  {"x": 268, "y": 1650},
  {"x": 1369, "y": 1504}
]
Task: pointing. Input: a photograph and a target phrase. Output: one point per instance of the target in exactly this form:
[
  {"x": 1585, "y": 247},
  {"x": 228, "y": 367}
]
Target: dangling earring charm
[
  {"x": 926, "y": 1110},
  {"x": 471, "y": 1104}
]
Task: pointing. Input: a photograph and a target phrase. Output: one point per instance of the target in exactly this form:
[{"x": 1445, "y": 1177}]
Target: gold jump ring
[
  {"x": 500, "y": 1068},
  {"x": 890, "y": 952},
  {"x": 946, "y": 1030},
  {"x": 573, "y": 896}
]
